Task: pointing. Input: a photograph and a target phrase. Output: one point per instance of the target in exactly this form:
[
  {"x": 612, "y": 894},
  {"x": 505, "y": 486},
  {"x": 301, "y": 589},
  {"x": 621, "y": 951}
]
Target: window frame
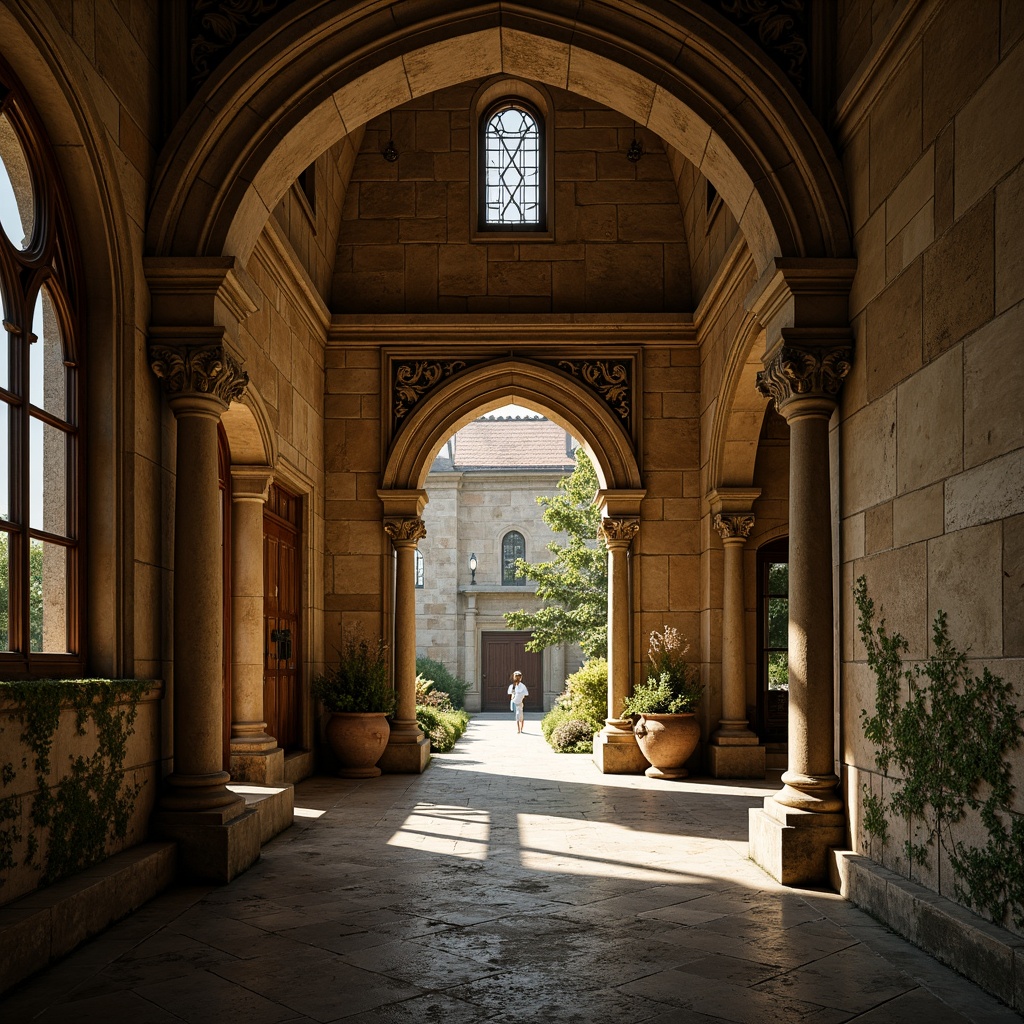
[
  {"x": 491, "y": 96},
  {"x": 772, "y": 552},
  {"x": 419, "y": 570},
  {"x": 50, "y": 259},
  {"x": 514, "y": 581}
]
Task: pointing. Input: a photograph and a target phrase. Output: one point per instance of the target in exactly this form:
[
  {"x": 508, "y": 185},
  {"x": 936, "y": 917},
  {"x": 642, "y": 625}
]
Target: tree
[{"x": 574, "y": 584}]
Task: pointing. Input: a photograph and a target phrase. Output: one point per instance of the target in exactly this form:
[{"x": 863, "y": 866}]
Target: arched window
[
  {"x": 512, "y": 547},
  {"x": 419, "y": 569},
  {"x": 40, "y": 438},
  {"x": 773, "y": 640},
  {"x": 513, "y": 193}
]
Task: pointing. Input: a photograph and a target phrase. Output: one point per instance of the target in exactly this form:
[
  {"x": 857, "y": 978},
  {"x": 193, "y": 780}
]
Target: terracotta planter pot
[
  {"x": 667, "y": 741},
  {"x": 357, "y": 741}
]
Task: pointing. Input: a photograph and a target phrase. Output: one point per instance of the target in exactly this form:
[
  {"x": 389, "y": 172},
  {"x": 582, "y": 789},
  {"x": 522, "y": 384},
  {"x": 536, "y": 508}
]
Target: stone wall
[
  {"x": 931, "y": 437},
  {"x": 405, "y": 240}
]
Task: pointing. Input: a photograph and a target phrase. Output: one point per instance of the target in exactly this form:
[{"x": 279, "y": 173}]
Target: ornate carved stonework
[
  {"x": 405, "y": 531},
  {"x": 206, "y": 369},
  {"x": 411, "y": 379},
  {"x": 611, "y": 380},
  {"x": 216, "y": 27},
  {"x": 730, "y": 526},
  {"x": 618, "y": 530},
  {"x": 796, "y": 371},
  {"x": 779, "y": 27}
]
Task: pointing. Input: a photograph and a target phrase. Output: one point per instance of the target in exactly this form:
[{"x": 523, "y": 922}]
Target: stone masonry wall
[
  {"x": 931, "y": 439},
  {"x": 405, "y": 243}
]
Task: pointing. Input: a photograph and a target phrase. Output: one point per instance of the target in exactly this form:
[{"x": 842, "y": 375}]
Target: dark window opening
[{"x": 513, "y": 547}]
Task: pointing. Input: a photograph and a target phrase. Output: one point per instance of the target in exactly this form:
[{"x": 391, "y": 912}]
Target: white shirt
[{"x": 519, "y": 692}]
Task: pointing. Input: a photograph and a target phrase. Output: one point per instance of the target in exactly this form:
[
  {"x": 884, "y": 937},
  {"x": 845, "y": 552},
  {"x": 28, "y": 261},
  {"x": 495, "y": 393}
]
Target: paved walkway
[{"x": 506, "y": 884}]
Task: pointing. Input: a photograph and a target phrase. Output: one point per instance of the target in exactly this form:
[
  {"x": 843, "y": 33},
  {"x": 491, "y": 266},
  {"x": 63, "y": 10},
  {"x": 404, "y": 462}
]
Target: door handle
[{"x": 282, "y": 638}]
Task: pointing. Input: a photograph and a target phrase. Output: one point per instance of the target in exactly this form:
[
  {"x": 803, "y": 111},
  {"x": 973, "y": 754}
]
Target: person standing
[{"x": 517, "y": 695}]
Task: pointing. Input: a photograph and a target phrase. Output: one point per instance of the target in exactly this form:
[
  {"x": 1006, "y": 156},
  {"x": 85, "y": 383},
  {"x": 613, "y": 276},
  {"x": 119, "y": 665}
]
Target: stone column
[
  {"x": 200, "y": 380},
  {"x": 615, "y": 746},
  {"x": 408, "y": 750},
  {"x": 255, "y": 756},
  {"x": 804, "y": 819},
  {"x": 734, "y": 752},
  {"x": 472, "y": 673}
]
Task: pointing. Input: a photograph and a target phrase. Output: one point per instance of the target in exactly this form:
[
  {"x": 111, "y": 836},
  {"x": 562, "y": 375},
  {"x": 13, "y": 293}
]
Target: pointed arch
[{"x": 301, "y": 82}]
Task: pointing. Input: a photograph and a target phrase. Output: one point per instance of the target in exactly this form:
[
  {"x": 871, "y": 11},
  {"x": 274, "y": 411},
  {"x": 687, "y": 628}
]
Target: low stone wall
[{"x": 141, "y": 766}]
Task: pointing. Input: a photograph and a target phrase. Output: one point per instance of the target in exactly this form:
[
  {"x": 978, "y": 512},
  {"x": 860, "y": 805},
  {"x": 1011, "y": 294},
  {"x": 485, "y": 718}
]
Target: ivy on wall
[
  {"x": 945, "y": 743},
  {"x": 92, "y": 802}
]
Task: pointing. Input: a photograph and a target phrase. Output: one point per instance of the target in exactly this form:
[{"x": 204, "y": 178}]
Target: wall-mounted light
[
  {"x": 636, "y": 148},
  {"x": 472, "y": 568},
  {"x": 389, "y": 152}
]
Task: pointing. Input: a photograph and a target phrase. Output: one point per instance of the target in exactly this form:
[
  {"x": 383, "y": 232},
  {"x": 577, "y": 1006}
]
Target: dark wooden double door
[
  {"x": 501, "y": 654},
  {"x": 282, "y": 618}
]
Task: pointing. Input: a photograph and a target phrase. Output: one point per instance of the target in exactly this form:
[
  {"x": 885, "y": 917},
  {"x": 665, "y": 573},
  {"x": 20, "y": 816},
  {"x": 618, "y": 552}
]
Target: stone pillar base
[
  {"x": 210, "y": 848},
  {"x": 616, "y": 751},
  {"x": 264, "y": 767},
  {"x": 739, "y": 757},
  {"x": 405, "y": 754},
  {"x": 793, "y": 845}
]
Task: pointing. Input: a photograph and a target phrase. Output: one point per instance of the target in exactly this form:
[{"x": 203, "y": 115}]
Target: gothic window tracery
[
  {"x": 512, "y": 168},
  {"x": 513, "y": 547},
  {"x": 40, "y": 437}
]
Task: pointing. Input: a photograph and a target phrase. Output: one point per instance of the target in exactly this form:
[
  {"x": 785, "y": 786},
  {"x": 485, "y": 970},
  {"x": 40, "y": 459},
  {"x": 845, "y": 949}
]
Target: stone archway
[
  {"x": 688, "y": 76},
  {"x": 585, "y": 415}
]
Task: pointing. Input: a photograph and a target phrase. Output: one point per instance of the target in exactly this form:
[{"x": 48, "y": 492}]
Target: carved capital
[
  {"x": 734, "y": 527},
  {"x": 198, "y": 369},
  {"x": 616, "y": 531},
  {"x": 797, "y": 371},
  {"x": 405, "y": 531}
]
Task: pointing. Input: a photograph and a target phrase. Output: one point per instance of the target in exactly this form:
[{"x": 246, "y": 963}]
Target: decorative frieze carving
[
  {"x": 779, "y": 27},
  {"x": 732, "y": 526},
  {"x": 412, "y": 379},
  {"x": 610, "y": 380},
  {"x": 405, "y": 531},
  {"x": 618, "y": 530},
  {"x": 803, "y": 371},
  {"x": 202, "y": 369}
]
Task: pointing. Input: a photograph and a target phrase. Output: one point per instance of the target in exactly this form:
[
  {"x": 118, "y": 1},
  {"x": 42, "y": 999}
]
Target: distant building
[{"x": 483, "y": 488}]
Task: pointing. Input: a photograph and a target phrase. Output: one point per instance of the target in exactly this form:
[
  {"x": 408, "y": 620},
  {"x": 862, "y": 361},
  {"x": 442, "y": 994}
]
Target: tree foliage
[{"x": 573, "y": 584}]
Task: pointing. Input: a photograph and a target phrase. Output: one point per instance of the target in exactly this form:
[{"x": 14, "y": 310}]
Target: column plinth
[
  {"x": 734, "y": 751},
  {"x": 791, "y": 837},
  {"x": 408, "y": 750}
]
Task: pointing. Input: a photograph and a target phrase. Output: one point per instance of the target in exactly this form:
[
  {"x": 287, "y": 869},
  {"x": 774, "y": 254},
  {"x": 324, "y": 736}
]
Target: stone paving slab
[{"x": 506, "y": 884}]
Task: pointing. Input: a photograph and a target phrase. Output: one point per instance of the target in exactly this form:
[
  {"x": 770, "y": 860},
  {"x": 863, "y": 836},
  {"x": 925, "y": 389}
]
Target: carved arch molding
[
  {"x": 211, "y": 29},
  {"x": 611, "y": 377}
]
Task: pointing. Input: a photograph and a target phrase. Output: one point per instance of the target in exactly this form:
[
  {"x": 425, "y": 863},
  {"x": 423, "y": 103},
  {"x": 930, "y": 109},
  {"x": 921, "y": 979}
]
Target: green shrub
[
  {"x": 443, "y": 727},
  {"x": 430, "y": 697},
  {"x": 574, "y": 736},
  {"x": 584, "y": 699},
  {"x": 672, "y": 685},
  {"x": 360, "y": 681},
  {"x": 443, "y": 680}
]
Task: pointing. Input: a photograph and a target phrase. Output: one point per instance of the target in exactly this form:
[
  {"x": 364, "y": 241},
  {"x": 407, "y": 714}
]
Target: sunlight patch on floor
[{"x": 454, "y": 831}]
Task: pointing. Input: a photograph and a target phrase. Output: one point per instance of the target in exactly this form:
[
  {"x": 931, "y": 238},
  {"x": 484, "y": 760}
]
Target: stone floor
[{"x": 506, "y": 884}]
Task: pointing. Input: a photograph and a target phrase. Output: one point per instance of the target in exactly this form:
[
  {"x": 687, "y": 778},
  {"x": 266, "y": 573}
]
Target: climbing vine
[
  {"x": 947, "y": 743},
  {"x": 92, "y": 802}
]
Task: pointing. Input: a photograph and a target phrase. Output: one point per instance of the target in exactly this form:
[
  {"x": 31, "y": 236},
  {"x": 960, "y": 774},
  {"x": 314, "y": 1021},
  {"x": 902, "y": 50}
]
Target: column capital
[
  {"x": 405, "y": 531},
  {"x": 251, "y": 483},
  {"x": 730, "y": 500},
  {"x": 198, "y": 369},
  {"x": 734, "y": 527},
  {"x": 618, "y": 531},
  {"x": 807, "y": 377}
]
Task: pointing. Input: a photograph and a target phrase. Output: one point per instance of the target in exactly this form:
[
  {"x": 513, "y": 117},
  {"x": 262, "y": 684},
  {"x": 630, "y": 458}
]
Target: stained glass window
[
  {"x": 513, "y": 547},
  {"x": 513, "y": 194}
]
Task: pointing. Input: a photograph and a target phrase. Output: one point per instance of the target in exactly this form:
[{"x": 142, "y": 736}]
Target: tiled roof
[{"x": 508, "y": 443}]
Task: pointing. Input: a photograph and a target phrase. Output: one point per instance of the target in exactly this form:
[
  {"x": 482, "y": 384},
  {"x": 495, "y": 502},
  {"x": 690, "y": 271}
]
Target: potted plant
[
  {"x": 359, "y": 696},
  {"x": 664, "y": 706}
]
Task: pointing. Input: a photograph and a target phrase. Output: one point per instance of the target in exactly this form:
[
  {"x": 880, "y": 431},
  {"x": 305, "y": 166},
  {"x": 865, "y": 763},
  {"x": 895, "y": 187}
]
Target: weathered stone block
[
  {"x": 917, "y": 515},
  {"x": 462, "y": 270},
  {"x": 1010, "y": 241},
  {"x": 896, "y": 129},
  {"x": 988, "y": 492},
  {"x": 793, "y": 846},
  {"x": 892, "y": 340},
  {"x": 868, "y": 455}
]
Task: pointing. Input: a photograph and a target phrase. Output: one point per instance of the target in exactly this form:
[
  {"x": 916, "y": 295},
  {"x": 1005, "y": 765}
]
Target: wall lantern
[{"x": 472, "y": 568}]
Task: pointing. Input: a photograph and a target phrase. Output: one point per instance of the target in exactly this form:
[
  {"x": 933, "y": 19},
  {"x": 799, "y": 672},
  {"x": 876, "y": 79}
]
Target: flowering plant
[
  {"x": 673, "y": 686},
  {"x": 360, "y": 683}
]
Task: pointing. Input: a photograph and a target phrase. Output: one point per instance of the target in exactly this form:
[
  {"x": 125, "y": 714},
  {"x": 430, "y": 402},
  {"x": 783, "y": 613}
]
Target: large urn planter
[
  {"x": 357, "y": 740},
  {"x": 667, "y": 741}
]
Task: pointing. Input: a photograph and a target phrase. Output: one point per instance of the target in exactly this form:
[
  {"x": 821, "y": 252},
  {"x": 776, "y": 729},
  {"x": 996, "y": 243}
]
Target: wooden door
[
  {"x": 282, "y": 618},
  {"x": 501, "y": 655}
]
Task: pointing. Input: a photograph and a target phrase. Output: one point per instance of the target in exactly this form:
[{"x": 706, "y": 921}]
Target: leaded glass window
[
  {"x": 513, "y": 547},
  {"x": 420, "y": 576},
  {"x": 512, "y": 159}
]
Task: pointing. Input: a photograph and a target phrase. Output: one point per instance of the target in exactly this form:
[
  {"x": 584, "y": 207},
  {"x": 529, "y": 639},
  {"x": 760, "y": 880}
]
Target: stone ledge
[
  {"x": 49, "y": 923},
  {"x": 982, "y": 952}
]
